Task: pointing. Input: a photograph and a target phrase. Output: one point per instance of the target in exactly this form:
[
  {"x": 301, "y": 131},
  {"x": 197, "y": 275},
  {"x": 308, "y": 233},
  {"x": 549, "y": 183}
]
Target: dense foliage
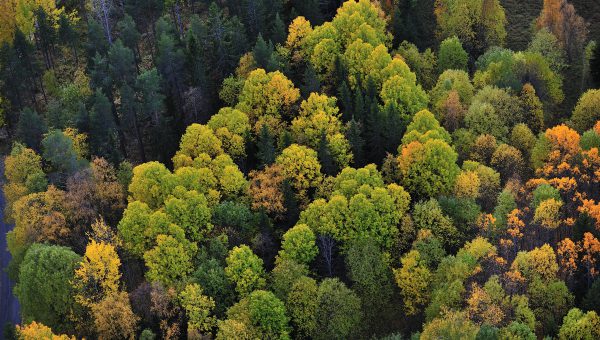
[{"x": 276, "y": 169}]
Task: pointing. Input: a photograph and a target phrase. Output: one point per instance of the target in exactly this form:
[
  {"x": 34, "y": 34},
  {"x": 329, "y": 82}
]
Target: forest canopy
[{"x": 278, "y": 169}]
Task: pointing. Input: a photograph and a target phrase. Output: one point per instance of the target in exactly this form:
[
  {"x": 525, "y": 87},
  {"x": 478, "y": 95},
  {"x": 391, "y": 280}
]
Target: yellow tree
[
  {"x": 414, "y": 280},
  {"x": 301, "y": 166},
  {"x": 98, "y": 274},
  {"x": 35, "y": 331},
  {"x": 114, "y": 318}
]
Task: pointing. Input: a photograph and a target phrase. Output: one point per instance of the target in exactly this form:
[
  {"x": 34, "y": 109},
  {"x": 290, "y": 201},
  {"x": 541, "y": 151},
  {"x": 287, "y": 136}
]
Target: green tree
[
  {"x": 170, "y": 261},
  {"x": 338, "y": 311},
  {"x": 479, "y": 24},
  {"x": 262, "y": 315},
  {"x": 587, "y": 111},
  {"x": 44, "y": 286},
  {"x": 579, "y": 325},
  {"x": 31, "y": 128},
  {"x": 198, "y": 308},
  {"x": 428, "y": 169},
  {"x": 59, "y": 151},
  {"x": 245, "y": 269},
  {"x": 298, "y": 244},
  {"x": 103, "y": 130},
  {"x": 452, "y": 56},
  {"x": 302, "y": 305}
]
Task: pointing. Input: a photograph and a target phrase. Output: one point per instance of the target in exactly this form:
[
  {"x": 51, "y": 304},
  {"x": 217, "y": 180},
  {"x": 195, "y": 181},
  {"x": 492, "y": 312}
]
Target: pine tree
[
  {"x": 46, "y": 35},
  {"x": 31, "y": 128},
  {"x": 170, "y": 62},
  {"x": 290, "y": 203},
  {"x": 393, "y": 124},
  {"x": 67, "y": 35},
  {"x": 128, "y": 110},
  {"x": 266, "y": 147},
  {"x": 103, "y": 134},
  {"x": 357, "y": 143},
  {"x": 130, "y": 35},
  {"x": 96, "y": 42},
  {"x": 262, "y": 52},
  {"x": 310, "y": 82},
  {"x": 310, "y": 10},
  {"x": 121, "y": 64},
  {"x": 374, "y": 126},
  {"x": 345, "y": 96},
  {"x": 278, "y": 34},
  {"x": 27, "y": 63},
  {"x": 325, "y": 158},
  {"x": 360, "y": 110}
]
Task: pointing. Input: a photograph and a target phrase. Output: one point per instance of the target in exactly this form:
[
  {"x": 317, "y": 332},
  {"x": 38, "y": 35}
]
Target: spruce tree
[
  {"x": 310, "y": 82},
  {"x": 357, "y": 143},
  {"x": 291, "y": 204},
  {"x": 266, "y": 147},
  {"x": 130, "y": 35},
  {"x": 278, "y": 32},
  {"x": 262, "y": 52},
  {"x": 67, "y": 35},
  {"x": 345, "y": 96},
  {"x": 328, "y": 166},
  {"x": 103, "y": 134},
  {"x": 31, "y": 128}
]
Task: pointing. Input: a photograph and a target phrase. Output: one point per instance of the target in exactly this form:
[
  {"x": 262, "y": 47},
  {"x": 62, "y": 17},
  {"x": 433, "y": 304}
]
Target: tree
[
  {"x": 577, "y": 324},
  {"x": 245, "y": 269},
  {"x": 36, "y": 330},
  {"x": 267, "y": 95},
  {"x": 199, "y": 139},
  {"x": 428, "y": 169},
  {"x": 508, "y": 161},
  {"x": 114, "y": 318},
  {"x": 429, "y": 215},
  {"x": 533, "y": 112},
  {"x": 191, "y": 213},
  {"x": 298, "y": 244},
  {"x": 263, "y": 53},
  {"x": 338, "y": 311},
  {"x": 266, "y": 190},
  {"x": 31, "y": 128},
  {"x": 371, "y": 276},
  {"x": 414, "y": 279},
  {"x": 59, "y": 151},
  {"x": 24, "y": 175},
  {"x": 260, "y": 314},
  {"x": 44, "y": 290},
  {"x": 561, "y": 19},
  {"x": 479, "y": 24},
  {"x": 587, "y": 111},
  {"x": 98, "y": 274},
  {"x": 449, "y": 81},
  {"x": 170, "y": 261},
  {"x": 301, "y": 166},
  {"x": 265, "y": 146},
  {"x": 151, "y": 184},
  {"x": 302, "y": 305},
  {"x": 198, "y": 308},
  {"x": 450, "y": 325},
  {"x": 103, "y": 133},
  {"x": 546, "y": 43},
  {"x": 452, "y": 56},
  {"x": 517, "y": 330}
]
